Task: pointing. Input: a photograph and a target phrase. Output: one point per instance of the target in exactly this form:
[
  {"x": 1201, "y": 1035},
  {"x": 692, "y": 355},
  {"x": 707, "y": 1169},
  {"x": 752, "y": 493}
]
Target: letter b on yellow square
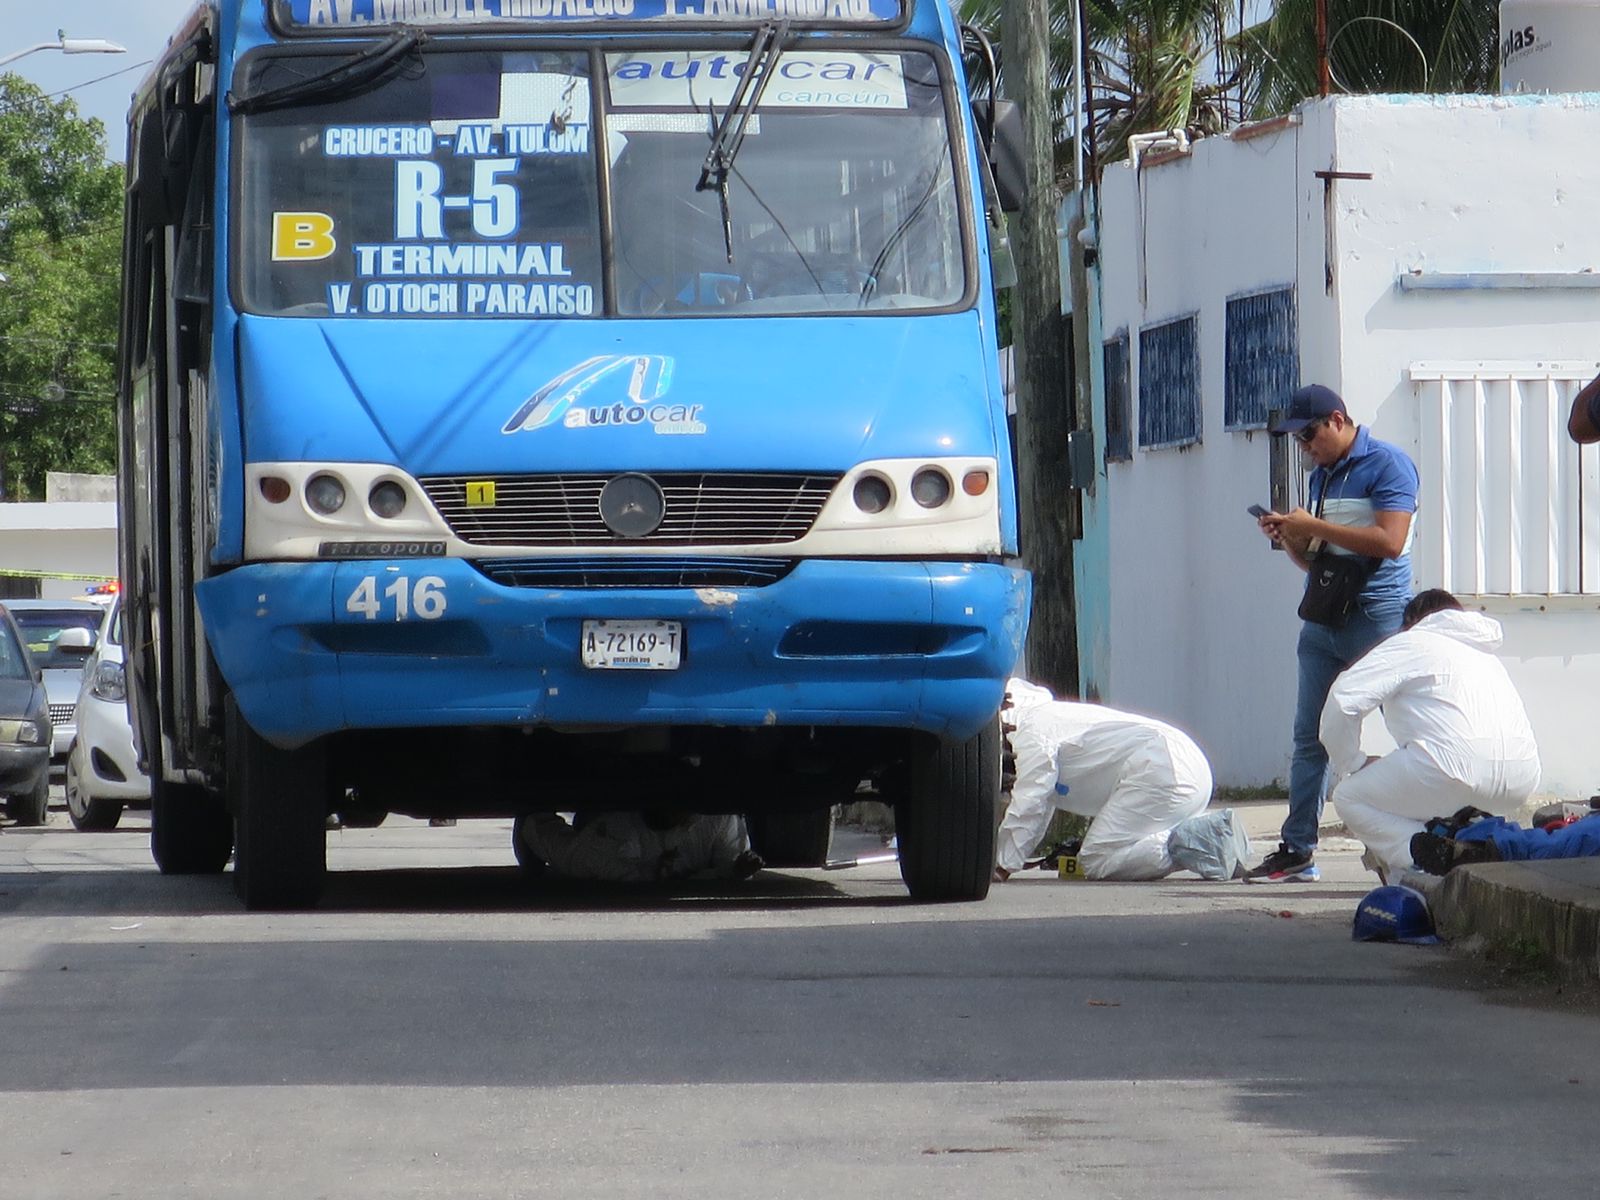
[{"x": 302, "y": 236}]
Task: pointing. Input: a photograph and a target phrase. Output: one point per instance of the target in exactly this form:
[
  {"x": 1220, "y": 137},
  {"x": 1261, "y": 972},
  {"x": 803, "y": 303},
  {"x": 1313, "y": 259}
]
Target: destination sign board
[{"x": 355, "y": 14}]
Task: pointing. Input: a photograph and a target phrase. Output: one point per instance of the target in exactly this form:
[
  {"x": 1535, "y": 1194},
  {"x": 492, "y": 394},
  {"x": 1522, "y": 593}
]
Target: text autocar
[
  {"x": 24, "y": 729},
  {"x": 103, "y": 775}
]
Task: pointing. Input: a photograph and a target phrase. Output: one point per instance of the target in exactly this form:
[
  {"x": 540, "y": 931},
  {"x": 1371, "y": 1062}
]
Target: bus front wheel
[
  {"x": 279, "y": 802},
  {"x": 945, "y": 822}
]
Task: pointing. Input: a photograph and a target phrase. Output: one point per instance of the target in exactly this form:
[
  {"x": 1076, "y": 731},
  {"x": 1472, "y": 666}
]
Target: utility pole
[{"x": 1044, "y": 408}]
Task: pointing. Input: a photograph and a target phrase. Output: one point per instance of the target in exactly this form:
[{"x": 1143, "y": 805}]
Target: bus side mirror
[{"x": 1007, "y": 151}]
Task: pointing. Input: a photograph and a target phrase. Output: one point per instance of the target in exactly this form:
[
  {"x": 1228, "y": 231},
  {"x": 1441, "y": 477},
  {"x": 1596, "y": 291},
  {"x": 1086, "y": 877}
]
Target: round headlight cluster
[
  {"x": 324, "y": 494},
  {"x": 873, "y": 494},
  {"x": 387, "y": 498},
  {"x": 930, "y": 487}
]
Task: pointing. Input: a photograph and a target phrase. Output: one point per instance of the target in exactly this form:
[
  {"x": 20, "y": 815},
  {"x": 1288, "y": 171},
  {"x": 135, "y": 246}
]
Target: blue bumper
[{"x": 313, "y": 648}]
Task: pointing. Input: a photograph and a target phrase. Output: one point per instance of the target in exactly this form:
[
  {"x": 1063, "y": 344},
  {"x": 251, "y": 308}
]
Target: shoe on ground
[
  {"x": 1284, "y": 865},
  {"x": 1440, "y": 855}
]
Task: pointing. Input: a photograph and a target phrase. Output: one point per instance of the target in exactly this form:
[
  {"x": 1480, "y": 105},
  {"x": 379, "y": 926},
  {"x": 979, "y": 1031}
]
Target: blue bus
[{"x": 564, "y": 405}]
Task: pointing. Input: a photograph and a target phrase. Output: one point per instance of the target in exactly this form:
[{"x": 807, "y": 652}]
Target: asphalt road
[{"x": 440, "y": 1029}]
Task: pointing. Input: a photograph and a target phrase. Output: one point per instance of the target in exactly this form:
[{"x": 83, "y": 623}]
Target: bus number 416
[{"x": 425, "y": 599}]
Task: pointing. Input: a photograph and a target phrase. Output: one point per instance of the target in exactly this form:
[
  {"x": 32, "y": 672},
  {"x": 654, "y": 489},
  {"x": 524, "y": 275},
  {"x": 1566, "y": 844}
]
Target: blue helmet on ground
[{"x": 1394, "y": 914}]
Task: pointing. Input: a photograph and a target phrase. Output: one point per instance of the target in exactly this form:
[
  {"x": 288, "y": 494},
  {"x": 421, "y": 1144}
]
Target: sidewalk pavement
[{"x": 1551, "y": 907}]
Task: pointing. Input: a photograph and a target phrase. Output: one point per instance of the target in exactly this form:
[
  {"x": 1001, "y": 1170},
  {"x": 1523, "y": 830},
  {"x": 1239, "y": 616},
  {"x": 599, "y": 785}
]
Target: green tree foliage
[
  {"x": 1153, "y": 65},
  {"x": 60, "y": 231},
  {"x": 1374, "y": 46},
  {"x": 1184, "y": 64}
]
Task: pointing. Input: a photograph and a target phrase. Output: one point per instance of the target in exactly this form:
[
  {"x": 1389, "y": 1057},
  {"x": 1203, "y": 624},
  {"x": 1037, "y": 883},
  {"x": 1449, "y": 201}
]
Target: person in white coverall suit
[
  {"x": 1462, "y": 733},
  {"x": 1133, "y": 776}
]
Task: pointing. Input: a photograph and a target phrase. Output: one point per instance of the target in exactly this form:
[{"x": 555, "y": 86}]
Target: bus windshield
[{"x": 470, "y": 187}]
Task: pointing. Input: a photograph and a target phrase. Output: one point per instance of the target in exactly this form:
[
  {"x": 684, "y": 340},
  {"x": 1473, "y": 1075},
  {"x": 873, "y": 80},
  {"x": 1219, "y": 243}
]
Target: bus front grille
[
  {"x": 635, "y": 571},
  {"x": 701, "y": 508}
]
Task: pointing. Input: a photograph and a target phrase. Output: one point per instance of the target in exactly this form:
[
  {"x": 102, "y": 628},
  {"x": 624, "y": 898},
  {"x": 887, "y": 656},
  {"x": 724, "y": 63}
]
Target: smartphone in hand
[{"x": 1255, "y": 510}]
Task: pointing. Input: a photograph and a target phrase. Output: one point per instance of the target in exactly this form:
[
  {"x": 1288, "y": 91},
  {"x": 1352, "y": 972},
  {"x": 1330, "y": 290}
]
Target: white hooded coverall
[
  {"x": 1462, "y": 733},
  {"x": 1133, "y": 776}
]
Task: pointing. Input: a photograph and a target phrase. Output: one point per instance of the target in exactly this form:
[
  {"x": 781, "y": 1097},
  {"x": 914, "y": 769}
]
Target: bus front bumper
[{"x": 314, "y": 648}]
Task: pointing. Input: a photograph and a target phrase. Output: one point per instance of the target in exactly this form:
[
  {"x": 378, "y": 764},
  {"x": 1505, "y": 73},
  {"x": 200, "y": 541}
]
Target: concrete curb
[{"x": 1552, "y": 906}]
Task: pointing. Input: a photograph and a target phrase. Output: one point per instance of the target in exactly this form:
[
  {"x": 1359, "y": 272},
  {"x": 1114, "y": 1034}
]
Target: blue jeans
[{"x": 1324, "y": 652}]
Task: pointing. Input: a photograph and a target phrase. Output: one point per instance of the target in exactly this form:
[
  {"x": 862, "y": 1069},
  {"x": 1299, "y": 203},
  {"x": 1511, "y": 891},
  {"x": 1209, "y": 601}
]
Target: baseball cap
[
  {"x": 1310, "y": 403},
  {"x": 1394, "y": 914}
]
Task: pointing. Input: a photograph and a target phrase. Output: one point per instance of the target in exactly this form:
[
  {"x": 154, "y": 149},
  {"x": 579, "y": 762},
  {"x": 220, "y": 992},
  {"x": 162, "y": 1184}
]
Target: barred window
[
  {"x": 1508, "y": 505},
  {"x": 1169, "y": 383},
  {"x": 1262, "y": 365},
  {"x": 1119, "y": 400}
]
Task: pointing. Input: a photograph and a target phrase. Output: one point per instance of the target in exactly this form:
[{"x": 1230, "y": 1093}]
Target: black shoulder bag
[{"x": 1334, "y": 581}]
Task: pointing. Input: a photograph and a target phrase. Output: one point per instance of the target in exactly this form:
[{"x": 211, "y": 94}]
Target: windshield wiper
[
  {"x": 728, "y": 133},
  {"x": 351, "y": 77}
]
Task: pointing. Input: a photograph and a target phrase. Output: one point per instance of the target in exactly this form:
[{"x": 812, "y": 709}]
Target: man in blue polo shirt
[{"x": 1364, "y": 495}]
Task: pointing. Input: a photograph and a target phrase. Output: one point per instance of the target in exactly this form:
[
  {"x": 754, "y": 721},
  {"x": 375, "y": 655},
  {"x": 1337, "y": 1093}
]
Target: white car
[
  {"x": 60, "y": 635},
  {"x": 103, "y": 775}
]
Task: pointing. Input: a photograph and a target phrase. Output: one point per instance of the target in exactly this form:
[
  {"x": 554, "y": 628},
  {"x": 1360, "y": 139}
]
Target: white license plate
[{"x": 632, "y": 645}]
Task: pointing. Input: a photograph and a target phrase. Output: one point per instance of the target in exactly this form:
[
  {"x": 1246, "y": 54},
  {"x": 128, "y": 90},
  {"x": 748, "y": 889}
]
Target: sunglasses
[{"x": 1309, "y": 434}]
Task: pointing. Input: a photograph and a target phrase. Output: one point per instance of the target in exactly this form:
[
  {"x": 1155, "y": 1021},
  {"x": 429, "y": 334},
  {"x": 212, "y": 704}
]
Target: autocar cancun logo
[{"x": 609, "y": 390}]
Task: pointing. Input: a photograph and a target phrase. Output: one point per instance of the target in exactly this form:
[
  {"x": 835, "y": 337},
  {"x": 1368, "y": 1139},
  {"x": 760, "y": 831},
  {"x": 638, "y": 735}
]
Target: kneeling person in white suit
[
  {"x": 1136, "y": 778},
  {"x": 1462, "y": 733}
]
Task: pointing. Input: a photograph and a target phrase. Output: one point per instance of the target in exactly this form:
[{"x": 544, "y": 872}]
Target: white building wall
[
  {"x": 1197, "y": 597},
  {"x": 74, "y": 540},
  {"x": 1203, "y": 624}
]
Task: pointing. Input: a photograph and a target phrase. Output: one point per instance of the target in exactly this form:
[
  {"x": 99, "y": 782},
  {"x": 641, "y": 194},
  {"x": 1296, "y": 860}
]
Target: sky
[{"x": 142, "y": 26}]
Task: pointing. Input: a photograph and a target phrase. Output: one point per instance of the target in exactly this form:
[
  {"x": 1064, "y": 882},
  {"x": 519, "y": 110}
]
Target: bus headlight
[
  {"x": 872, "y": 493},
  {"x": 324, "y": 494},
  {"x": 943, "y": 505},
  {"x": 387, "y": 499},
  {"x": 930, "y": 487}
]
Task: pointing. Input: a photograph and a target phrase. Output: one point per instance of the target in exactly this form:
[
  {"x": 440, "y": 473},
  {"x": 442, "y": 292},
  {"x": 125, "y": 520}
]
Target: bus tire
[
  {"x": 32, "y": 807},
  {"x": 945, "y": 824},
  {"x": 279, "y": 803},
  {"x": 791, "y": 839},
  {"x": 190, "y": 833}
]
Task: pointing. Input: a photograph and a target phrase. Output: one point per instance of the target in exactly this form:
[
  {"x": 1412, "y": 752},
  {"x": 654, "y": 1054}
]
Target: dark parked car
[
  {"x": 24, "y": 729},
  {"x": 60, "y": 635}
]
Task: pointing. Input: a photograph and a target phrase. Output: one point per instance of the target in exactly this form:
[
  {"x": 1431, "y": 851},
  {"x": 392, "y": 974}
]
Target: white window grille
[{"x": 1509, "y": 505}]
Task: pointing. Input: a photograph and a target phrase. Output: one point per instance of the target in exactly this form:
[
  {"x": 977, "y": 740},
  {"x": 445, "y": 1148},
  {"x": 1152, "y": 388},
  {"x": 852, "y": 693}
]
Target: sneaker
[
  {"x": 1440, "y": 855},
  {"x": 1284, "y": 865}
]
